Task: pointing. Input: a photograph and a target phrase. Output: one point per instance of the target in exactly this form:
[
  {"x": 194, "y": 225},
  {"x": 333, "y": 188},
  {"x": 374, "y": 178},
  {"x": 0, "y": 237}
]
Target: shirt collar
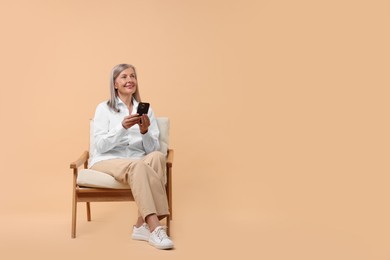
[
  {"x": 123, "y": 105},
  {"x": 120, "y": 102}
]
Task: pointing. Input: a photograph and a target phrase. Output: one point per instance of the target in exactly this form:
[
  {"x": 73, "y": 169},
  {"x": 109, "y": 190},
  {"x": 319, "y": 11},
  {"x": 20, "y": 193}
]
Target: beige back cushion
[{"x": 91, "y": 178}]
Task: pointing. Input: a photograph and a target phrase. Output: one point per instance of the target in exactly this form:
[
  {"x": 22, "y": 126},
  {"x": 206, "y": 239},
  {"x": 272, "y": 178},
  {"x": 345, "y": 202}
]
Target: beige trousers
[{"x": 147, "y": 179}]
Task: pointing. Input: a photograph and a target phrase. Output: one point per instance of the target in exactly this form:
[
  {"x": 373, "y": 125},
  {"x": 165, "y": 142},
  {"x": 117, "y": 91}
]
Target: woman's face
[{"x": 126, "y": 83}]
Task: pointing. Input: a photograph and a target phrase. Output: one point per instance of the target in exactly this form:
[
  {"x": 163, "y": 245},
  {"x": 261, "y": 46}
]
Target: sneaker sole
[
  {"x": 140, "y": 237},
  {"x": 161, "y": 246}
]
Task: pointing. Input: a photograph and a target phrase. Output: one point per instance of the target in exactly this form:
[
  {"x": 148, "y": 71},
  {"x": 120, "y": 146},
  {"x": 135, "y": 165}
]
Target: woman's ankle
[
  {"x": 152, "y": 221},
  {"x": 139, "y": 222}
]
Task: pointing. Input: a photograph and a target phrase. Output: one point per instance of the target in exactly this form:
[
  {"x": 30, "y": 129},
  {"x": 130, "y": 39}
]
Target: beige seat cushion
[{"x": 96, "y": 179}]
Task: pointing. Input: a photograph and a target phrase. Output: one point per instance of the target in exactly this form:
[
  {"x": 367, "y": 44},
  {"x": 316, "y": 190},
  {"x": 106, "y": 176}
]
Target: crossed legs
[{"x": 147, "y": 180}]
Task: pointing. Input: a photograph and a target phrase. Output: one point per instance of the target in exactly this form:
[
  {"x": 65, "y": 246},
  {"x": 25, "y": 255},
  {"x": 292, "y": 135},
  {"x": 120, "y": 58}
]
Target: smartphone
[{"x": 143, "y": 108}]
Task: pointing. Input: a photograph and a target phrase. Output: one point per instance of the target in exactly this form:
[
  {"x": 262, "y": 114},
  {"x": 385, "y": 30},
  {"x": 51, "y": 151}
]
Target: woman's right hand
[{"x": 130, "y": 120}]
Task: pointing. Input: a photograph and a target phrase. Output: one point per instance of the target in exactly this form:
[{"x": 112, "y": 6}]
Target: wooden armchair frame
[{"x": 88, "y": 195}]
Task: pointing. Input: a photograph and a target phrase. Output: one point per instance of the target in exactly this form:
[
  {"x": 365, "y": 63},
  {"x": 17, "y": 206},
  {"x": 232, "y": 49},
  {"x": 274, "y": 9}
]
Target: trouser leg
[
  {"x": 157, "y": 161},
  {"x": 148, "y": 189},
  {"x": 146, "y": 178}
]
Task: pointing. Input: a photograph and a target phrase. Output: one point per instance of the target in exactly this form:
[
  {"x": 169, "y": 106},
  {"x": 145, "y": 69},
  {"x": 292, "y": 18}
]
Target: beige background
[{"x": 279, "y": 121}]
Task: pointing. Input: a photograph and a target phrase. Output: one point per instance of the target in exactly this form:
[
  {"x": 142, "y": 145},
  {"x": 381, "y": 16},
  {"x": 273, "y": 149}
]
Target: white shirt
[{"x": 112, "y": 140}]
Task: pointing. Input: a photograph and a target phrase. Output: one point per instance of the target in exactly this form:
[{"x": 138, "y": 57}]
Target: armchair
[{"x": 93, "y": 186}]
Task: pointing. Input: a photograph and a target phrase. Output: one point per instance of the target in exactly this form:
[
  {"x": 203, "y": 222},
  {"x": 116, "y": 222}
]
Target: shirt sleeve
[
  {"x": 106, "y": 138},
  {"x": 150, "y": 140}
]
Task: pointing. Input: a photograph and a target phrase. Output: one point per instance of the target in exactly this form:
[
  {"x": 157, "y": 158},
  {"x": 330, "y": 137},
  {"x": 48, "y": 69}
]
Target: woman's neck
[{"x": 128, "y": 100}]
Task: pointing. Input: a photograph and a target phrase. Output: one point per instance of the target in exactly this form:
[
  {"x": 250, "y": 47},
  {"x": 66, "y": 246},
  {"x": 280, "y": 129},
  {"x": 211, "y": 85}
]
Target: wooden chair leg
[
  {"x": 74, "y": 216},
  {"x": 170, "y": 198},
  {"x": 88, "y": 211},
  {"x": 168, "y": 225}
]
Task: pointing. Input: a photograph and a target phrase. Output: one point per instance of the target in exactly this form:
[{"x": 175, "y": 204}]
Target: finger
[
  {"x": 146, "y": 118},
  {"x": 134, "y": 118},
  {"x": 134, "y": 115},
  {"x": 143, "y": 120}
]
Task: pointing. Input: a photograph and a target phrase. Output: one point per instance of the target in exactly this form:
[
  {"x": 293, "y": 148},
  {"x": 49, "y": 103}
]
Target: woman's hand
[
  {"x": 130, "y": 120},
  {"x": 144, "y": 124}
]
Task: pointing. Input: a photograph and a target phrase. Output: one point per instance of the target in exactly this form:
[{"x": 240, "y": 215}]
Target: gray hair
[{"x": 112, "y": 103}]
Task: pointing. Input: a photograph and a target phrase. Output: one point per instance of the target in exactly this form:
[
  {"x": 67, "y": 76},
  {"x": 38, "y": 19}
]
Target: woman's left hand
[{"x": 144, "y": 124}]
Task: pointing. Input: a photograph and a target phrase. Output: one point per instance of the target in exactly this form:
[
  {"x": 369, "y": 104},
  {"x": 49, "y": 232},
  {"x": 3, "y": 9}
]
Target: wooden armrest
[
  {"x": 82, "y": 160},
  {"x": 170, "y": 157}
]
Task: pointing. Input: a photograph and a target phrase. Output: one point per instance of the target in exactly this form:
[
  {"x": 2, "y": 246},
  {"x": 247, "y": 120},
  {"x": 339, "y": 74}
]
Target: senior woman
[{"x": 127, "y": 147}]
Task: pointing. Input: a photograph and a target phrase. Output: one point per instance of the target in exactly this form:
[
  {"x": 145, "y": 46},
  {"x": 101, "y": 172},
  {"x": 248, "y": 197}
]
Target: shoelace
[{"x": 161, "y": 234}]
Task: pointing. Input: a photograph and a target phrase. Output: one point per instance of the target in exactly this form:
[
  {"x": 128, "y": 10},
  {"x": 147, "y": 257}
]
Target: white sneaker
[
  {"x": 141, "y": 233},
  {"x": 159, "y": 239}
]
